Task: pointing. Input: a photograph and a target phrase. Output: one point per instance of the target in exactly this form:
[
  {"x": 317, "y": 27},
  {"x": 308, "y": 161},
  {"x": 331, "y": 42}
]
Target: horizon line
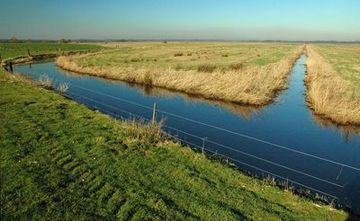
[{"x": 169, "y": 40}]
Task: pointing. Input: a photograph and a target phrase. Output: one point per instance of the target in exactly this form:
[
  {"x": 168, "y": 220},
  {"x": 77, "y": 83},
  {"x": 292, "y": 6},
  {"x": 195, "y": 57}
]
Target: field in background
[
  {"x": 246, "y": 73},
  {"x": 12, "y": 50},
  {"x": 333, "y": 82},
  {"x": 345, "y": 59}
]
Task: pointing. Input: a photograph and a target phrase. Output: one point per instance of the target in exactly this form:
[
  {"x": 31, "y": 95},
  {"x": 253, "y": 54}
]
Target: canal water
[{"x": 284, "y": 140}]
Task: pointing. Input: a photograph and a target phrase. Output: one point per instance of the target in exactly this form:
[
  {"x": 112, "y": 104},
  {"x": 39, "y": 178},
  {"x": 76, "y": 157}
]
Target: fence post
[
  {"x": 154, "y": 114},
  {"x": 28, "y": 51},
  {"x": 341, "y": 169},
  {"x": 11, "y": 67},
  {"x": 203, "y": 144}
]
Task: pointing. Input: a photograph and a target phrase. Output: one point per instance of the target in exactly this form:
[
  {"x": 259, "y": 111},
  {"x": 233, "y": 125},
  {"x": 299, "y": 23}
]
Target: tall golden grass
[
  {"x": 255, "y": 85},
  {"x": 244, "y": 111},
  {"x": 329, "y": 94}
]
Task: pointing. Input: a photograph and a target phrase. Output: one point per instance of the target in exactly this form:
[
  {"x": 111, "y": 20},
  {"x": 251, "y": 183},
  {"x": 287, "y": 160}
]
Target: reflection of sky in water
[{"x": 287, "y": 122}]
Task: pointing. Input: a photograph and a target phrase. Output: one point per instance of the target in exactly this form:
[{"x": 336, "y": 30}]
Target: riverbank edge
[
  {"x": 42, "y": 57},
  {"x": 73, "y": 67},
  {"x": 311, "y": 78},
  {"x": 303, "y": 194}
]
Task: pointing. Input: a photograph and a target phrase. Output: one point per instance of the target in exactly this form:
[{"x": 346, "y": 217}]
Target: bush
[
  {"x": 135, "y": 59},
  {"x": 178, "y": 54},
  {"x": 206, "y": 68},
  {"x": 238, "y": 66}
]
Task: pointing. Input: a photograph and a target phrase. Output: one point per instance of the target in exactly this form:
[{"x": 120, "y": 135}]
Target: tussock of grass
[
  {"x": 63, "y": 87},
  {"x": 256, "y": 84},
  {"x": 45, "y": 81},
  {"x": 147, "y": 79},
  {"x": 135, "y": 59},
  {"x": 178, "y": 54},
  {"x": 238, "y": 66},
  {"x": 328, "y": 93},
  {"x": 209, "y": 68},
  {"x": 60, "y": 160}
]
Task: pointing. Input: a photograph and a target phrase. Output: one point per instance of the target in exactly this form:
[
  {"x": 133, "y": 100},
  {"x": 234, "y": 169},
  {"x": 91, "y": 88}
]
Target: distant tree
[
  {"x": 13, "y": 39},
  {"x": 63, "y": 40},
  {"x": 164, "y": 42}
]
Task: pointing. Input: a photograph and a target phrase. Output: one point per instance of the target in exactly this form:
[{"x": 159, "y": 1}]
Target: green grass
[
  {"x": 189, "y": 55},
  {"x": 62, "y": 161},
  {"x": 345, "y": 59},
  {"x": 12, "y": 50}
]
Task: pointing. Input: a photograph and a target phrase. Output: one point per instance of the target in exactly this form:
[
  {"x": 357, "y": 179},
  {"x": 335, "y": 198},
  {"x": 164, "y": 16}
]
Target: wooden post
[
  {"x": 203, "y": 144},
  {"x": 154, "y": 114},
  {"x": 11, "y": 67},
  {"x": 28, "y": 50}
]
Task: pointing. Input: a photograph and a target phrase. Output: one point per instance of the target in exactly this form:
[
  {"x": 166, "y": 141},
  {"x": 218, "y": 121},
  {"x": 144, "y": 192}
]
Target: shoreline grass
[
  {"x": 107, "y": 169},
  {"x": 22, "y": 53},
  {"x": 331, "y": 94},
  {"x": 249, "y": 74},
  {"x": 13, "y": 50}
]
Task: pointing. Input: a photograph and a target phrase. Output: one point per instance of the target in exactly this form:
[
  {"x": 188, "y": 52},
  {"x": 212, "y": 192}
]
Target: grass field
[
  {"x": 62, "y": 161},
  {"x": 333, "y": 82},
  {"x": 237, "y": 72},
  {"x": 12, "y": 50}
]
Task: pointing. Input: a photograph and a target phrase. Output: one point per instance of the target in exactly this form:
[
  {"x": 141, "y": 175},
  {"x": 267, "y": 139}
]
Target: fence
[{"x": 207, "y": 145}]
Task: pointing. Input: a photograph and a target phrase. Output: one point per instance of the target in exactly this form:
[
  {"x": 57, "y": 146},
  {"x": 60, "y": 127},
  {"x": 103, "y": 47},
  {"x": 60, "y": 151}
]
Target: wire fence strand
[
  {"x": 259, "y": 169},
  {"x": 225, "y": 130},
  {"x": 218, "y": 144}
]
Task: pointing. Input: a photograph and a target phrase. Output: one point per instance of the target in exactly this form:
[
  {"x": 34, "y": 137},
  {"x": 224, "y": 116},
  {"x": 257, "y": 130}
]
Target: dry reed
[
  {"x": 63, "y": 87},
  {"x": 45, "y": 81},
  {"x": 256, "y": 85},
  {"x": 329, "y": 94}
]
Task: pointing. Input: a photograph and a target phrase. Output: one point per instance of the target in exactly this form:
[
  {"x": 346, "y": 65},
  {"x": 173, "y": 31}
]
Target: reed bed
[
  {"x": 253, "y": 78},
  {"x": 329, "y": 94}
]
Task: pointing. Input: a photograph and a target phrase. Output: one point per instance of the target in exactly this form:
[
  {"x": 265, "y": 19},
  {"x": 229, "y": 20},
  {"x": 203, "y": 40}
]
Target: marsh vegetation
[
  {"x": 333, "y": 82},
  {"x": 248, "y": 73},
  {"x": 13, "y": 50}
]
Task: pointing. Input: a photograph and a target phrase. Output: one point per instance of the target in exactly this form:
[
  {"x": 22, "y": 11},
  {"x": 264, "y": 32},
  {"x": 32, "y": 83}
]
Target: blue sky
[{"x": 181, "y": 19}]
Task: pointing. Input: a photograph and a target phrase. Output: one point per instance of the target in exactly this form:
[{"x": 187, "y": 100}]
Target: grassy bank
[
  {"x": 61, "y": 161},
  {"x": 333, "y": 82},
  {"x": 244, "y": 73},
  {"x": 12, "y": 50}
]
